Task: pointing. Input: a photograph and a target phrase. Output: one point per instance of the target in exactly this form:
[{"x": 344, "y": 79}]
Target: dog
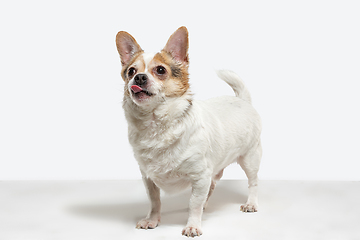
[{"x": 179, "y": 142}]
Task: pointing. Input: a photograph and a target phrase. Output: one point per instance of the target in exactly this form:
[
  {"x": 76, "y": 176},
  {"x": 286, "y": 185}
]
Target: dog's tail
[{"x": 236, "y": 83}]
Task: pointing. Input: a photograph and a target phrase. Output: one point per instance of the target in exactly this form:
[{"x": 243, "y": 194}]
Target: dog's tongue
[{"x": 136, "y": 88}]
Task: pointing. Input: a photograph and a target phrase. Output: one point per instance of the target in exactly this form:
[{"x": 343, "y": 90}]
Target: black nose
[{"x": 141, "y": 79}]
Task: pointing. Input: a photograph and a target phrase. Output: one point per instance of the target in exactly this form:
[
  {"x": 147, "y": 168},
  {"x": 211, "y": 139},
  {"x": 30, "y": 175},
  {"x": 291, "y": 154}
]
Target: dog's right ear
[{"x": 126, "y": 46}]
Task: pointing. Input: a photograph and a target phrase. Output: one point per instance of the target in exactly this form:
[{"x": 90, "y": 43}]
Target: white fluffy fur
[{"x": 180, "y": 143}]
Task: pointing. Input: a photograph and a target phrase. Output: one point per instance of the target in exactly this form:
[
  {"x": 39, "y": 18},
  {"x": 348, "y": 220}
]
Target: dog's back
[{"x": 234, "y": 126}]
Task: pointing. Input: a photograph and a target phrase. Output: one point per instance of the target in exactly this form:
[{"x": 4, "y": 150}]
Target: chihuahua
[{"x": 179, "y": 142}]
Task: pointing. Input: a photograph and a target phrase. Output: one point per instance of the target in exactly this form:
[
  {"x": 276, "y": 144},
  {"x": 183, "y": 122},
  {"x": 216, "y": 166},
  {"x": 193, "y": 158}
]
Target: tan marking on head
[{"x": 176, "y": 80}]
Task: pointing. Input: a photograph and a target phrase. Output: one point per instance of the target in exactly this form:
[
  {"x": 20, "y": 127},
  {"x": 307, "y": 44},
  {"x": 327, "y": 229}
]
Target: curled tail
[{"x": 236, "y": 83}]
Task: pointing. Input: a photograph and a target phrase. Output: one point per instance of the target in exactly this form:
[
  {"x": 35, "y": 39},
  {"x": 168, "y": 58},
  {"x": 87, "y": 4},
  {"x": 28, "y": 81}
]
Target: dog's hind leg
[
  {"x": 212, "y": 186},
  {"x": 250, "y": 164}
]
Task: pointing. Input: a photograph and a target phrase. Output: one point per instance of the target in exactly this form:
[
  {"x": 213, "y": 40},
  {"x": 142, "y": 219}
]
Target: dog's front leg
[
  {"x": 153, "y": 218},
  {"x": 200, "y": 190}
]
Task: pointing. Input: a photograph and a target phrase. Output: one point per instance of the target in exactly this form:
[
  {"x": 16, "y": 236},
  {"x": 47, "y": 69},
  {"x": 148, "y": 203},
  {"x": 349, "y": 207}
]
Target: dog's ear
[
  {"x": 126, "y": 46},
  {"x": 178, "y": 45}
]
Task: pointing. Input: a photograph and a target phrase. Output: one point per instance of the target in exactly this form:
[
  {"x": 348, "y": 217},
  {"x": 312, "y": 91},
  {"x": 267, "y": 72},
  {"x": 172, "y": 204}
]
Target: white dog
[{"x": 179, "y": 142}]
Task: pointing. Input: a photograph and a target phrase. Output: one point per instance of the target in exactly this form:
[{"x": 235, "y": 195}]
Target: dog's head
[{"x": 151, "y": 78}]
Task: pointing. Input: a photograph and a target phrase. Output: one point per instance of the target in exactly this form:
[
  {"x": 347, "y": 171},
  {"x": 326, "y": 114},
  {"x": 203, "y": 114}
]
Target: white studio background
[{"x": 61, "y": 90}]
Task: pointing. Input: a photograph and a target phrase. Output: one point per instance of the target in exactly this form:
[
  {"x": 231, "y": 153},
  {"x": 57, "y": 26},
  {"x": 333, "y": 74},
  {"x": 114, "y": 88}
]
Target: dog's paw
[
  {"x": 248, "y": 208},
  {"x": 190, "y": 231},
  {"x": 147, "y": 223}
]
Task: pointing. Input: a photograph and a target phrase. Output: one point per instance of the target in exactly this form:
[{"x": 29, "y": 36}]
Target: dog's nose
[{"x": 141, "y": 79}]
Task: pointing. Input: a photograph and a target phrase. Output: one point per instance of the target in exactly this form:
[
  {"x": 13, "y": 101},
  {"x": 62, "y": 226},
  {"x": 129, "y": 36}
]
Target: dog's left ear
[{"x": 178, "y": 45}]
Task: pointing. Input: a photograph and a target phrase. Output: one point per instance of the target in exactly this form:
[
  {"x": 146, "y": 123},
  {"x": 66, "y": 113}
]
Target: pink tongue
[{"x": 136, "y": 88}]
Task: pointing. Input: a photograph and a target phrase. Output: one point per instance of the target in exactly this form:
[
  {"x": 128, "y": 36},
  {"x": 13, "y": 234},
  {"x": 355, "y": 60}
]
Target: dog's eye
[
  {"x": 131, "y": 72},
  {"x": 160, "y": 70}
]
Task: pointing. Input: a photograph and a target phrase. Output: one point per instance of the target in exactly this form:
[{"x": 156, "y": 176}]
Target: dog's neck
[{"x": 163, "y": 115}]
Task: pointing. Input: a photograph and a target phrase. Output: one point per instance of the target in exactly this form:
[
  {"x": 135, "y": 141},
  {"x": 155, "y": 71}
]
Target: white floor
[{"x": 109, "y": 210}]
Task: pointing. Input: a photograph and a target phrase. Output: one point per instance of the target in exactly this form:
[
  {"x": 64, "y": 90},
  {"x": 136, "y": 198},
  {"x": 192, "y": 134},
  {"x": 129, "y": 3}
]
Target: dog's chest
[
  {"x": 164, "y": 168},
  {"x": 158, "y": 149},
  {"x": 159, "y": 158},
  {"x": 160, "y": 152}
]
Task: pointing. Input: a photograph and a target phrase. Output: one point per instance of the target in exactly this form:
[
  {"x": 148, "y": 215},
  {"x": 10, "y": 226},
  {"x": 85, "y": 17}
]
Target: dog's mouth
[{"x": 140, "y": 93}]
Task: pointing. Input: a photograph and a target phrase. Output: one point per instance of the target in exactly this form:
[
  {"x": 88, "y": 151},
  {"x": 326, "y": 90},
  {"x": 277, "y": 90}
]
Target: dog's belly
[{"x": 170, "y": 183}]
